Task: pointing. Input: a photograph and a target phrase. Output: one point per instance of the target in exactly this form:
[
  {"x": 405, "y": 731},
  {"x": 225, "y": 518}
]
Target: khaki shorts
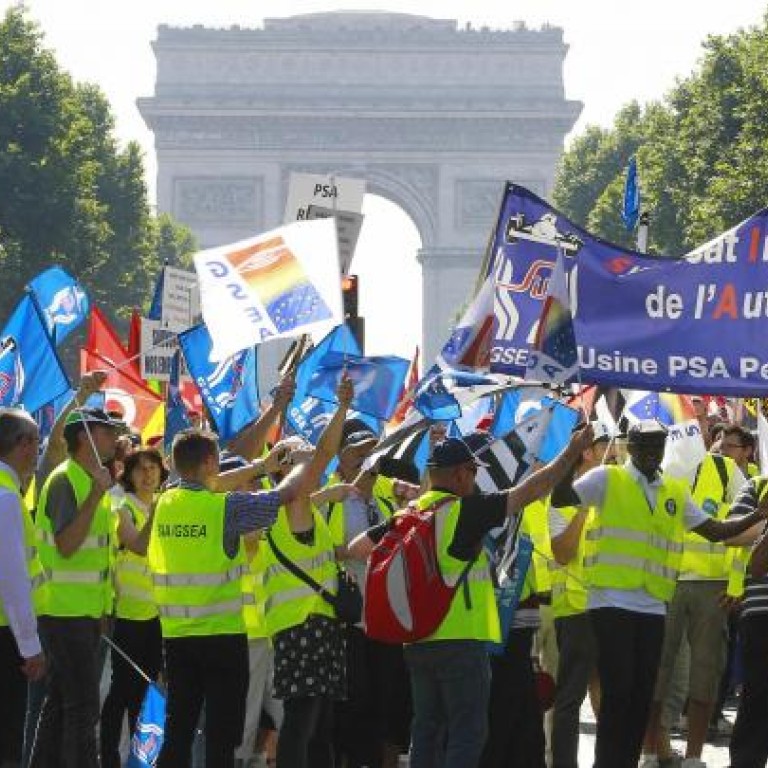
[{"x": 695, "y": 613}]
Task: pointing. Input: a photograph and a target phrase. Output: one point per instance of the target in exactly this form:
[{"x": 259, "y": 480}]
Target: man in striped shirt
[{"x": 749, "y": 743}]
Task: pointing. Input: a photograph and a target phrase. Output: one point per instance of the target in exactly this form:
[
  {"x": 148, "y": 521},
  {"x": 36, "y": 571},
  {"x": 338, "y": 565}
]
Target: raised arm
[
  {"x": 56, "y": 449},
  {"x": 541, "y": 482},
  {"x": 249, "y": 442}
]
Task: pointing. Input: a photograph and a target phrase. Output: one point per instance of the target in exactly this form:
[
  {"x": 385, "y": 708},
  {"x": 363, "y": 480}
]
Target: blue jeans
[{"x": 451, "y": 682}]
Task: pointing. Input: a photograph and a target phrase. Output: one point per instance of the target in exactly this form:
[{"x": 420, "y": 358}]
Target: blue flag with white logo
[
  {"x": 148, "y": 736},
  {"x": 308, "y": 415},
  {"x": 630, "y": 208},
  {"x": 31, "y": 374},
  {"x": 378, "y": 381},
  {"x": 63, "y": 303},
  {"x": 176, "y": 416},
  {"x": 229, "y": 388}
]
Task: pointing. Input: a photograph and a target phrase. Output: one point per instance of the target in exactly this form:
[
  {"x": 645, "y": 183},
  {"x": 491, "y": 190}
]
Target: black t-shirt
[{"x": 479, "y": 514}]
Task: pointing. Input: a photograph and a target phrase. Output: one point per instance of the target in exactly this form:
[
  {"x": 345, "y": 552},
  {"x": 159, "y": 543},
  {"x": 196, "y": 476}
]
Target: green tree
[
  {"x": 699, "y": 152},
  {"x": 71, "y": 194}
]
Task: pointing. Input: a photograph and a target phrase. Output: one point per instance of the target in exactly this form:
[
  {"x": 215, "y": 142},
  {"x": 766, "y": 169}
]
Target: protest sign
[
  {"x": 348, "y": 227},
  {"x": 335, "y": 192},
  {"x": 158, "y": 346},
  {"x": 180, "y": 299},
  {"x": 280, "y": 284},
  {"x": 693, "y": 325}
]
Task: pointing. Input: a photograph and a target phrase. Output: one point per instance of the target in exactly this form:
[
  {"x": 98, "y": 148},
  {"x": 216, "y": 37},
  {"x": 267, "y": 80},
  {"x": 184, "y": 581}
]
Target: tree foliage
[
  {"x": 69, "y": 194},
  {"x": 700, "y": 152}
]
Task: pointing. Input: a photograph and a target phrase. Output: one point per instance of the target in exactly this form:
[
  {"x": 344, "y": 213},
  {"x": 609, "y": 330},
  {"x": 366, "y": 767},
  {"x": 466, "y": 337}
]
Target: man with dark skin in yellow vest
[{"x": 633, "y": 553}]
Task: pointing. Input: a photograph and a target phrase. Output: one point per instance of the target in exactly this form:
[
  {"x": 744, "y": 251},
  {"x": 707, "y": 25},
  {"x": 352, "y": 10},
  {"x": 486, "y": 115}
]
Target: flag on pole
[
  {"x": 62, "y": 302},
  {"x": 280, "y": 284},
  {"x": 149, "y": 733},
  {"x": 176, "y": 416},
  {"x": 229, "y": 387},
  {"x": 31, "y": 374},
  {"x": 469, "y": 347},
  {"x": 377, "y": 381},
  {"x": 630, "y": 208},
  {"x": 405, "y": 401},
  {"x": 554, "y": 356}
]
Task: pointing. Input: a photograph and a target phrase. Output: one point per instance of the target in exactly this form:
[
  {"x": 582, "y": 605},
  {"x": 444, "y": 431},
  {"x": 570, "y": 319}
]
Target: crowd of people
[{"x": 217, "y": 571}]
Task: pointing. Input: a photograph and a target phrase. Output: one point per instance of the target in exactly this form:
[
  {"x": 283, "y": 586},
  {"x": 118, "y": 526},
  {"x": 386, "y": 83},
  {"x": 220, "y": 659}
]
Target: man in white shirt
[
  {"x": 632, "y": 556},
  {"x": 21, "y": 656}
]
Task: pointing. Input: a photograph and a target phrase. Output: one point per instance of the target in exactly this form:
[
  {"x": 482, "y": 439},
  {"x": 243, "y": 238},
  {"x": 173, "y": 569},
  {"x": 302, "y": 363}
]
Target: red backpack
[{"x": 406, "y": 597}]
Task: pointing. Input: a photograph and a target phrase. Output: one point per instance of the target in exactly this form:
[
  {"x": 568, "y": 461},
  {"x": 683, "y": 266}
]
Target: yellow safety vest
[
  {"x": 253, "y": 596},
  {"x": 632, "y": 546},
  {"x": 569, "y": 590},
  {"x": 707, "y": 559},
  {"x": 383, "y": 495},
  {"x": 79, "y": 585},
  {"x": 34, "y": 566},
  {"x": 134, "y": 598},
  {"x": 473, "y": 614},
  {"x": 197, "y": 588},
  {"x": 535, "y": 525},
  {"x": 739, "y": 556},
  {"x": 289, "y": 601}
]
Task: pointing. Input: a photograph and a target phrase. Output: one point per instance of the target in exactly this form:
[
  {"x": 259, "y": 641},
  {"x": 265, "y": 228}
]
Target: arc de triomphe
[{"x": 434, "y": 117}]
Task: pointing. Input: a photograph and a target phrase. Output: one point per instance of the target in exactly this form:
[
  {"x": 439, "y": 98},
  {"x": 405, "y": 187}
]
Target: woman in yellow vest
[
  {"x": 137, "y": 626},
  {"x": 307, "y": 638}
]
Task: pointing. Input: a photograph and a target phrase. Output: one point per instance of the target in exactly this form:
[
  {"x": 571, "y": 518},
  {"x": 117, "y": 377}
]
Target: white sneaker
[{"x": 650, "y": 761}]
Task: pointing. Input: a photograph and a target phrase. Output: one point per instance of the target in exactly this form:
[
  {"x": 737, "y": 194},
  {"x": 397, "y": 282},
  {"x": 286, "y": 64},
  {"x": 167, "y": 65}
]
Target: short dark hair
[
  {"x": 744, "y": 436},
  {"x": 191, "y": 448},
  {"x": 132, "y": 461},
  {"x": 14, "y": 425}
]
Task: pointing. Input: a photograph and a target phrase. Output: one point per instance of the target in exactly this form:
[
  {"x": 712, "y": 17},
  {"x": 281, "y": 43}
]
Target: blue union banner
[{"x": 697, "y": 324}]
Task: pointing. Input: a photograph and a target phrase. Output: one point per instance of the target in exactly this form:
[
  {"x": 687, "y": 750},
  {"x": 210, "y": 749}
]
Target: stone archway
[{"x": 434, "y": 117}]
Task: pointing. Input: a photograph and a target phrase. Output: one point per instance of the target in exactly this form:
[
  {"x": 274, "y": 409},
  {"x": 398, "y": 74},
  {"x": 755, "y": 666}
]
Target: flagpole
[{"x": 488, "y": 255}]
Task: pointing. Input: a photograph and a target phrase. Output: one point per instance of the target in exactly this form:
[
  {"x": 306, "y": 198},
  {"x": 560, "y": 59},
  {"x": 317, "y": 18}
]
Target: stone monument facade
[{"x": 433, "y": 116}]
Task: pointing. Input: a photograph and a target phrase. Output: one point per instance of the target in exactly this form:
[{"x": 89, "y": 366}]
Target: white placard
[
  {"x": 348, "y": 226},
  {"x": 684, "y": 451},
  {"x": 158, "y": 346},
  {"x": 335, "y": 192},
  {"x": 181, "y": 299}
]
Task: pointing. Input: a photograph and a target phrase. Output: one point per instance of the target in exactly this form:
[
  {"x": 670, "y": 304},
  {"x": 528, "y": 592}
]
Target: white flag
[{"x": 280, "y": 284}]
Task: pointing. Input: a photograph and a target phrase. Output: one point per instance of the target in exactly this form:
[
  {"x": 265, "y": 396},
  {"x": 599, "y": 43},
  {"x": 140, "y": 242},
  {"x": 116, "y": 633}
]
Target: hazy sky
[{"x": 618, "y": 51}]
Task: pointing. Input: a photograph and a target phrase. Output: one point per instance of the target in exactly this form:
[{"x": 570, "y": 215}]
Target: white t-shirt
[{"x": 590, "y": 488}]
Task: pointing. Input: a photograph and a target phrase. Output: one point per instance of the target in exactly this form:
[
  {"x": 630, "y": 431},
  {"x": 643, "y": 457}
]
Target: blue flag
[
  {"x": 378, "y": 381},
  {"x": 630, "y": 209},
  {"x": 148, "y": 737},
  {"x": 307, "y": 415},
  {"x": 176, "y": 416},
  {"x": 156, "y": 308},
  {"x": 62, "y": 302},
  {"x": 229, "y": 388},
  {"x": 31, "y": 374},
  {"x": 436, "y": 393}
]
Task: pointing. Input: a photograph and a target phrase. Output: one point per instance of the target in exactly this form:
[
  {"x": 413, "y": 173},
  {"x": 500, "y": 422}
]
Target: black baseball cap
[
  {"x": 452, "y": 452},
  {"x": 362, "y": 438}
]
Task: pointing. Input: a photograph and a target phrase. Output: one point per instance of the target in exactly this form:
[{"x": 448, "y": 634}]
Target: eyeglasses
[{"x": 733, "y": 445}]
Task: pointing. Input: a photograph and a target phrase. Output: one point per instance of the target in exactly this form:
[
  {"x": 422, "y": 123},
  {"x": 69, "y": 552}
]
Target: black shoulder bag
[{"x": 348, "y": 600}]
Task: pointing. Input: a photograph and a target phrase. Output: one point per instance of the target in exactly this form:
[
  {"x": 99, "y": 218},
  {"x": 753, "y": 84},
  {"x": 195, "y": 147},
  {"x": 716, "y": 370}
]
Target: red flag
[
  {"x": 125, "y": 391},
  {"x": 134, "y": 342},
  {"x": 406, "y": 395}
]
